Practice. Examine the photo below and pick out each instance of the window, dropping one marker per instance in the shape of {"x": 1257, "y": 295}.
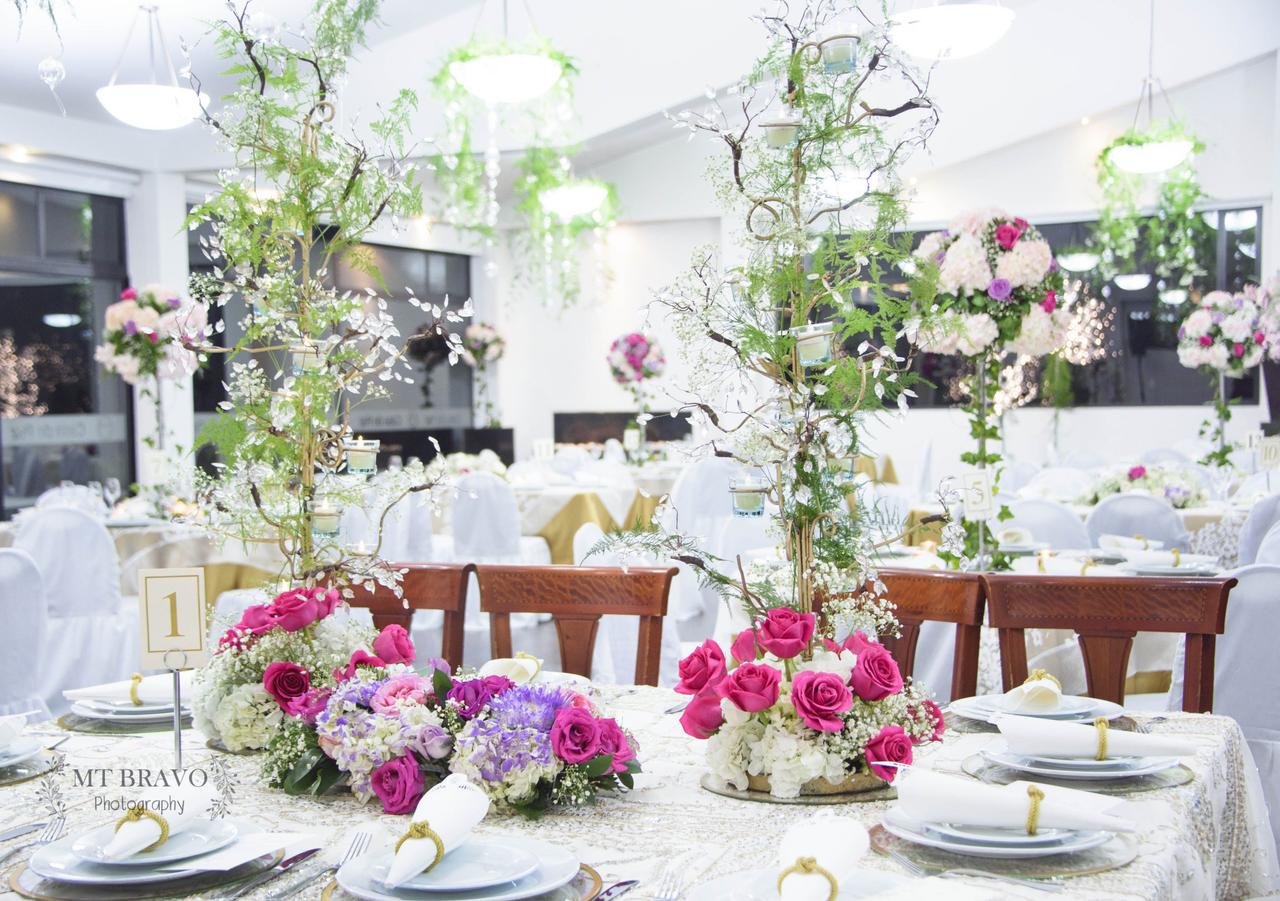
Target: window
{"x": 61, "y": 417}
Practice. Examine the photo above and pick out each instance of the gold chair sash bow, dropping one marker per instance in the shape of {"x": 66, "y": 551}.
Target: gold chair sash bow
{"x": 422, "y": 829}
{"x": 1036, "y": 795}
{"x": 134, "y": 681}
{"x": 810, "y": 865}
{"x": 137, "y": 813}
{"x": 1038, "y": 674}
{"x": 1101, "y": 725}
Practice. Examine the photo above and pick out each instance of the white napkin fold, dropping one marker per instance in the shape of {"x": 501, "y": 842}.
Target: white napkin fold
{"x": 452, "y": 808}
{"x": 1039, "y": 695}
{"x": 156, "y": 689}
{"x": 521, "y": 669}
{"x": 1035, "y": 736}
{"x": 10, "y": 728}
{"x": 934, "y": 798}
{"x": 181, "y": 807}
{"x": 837, "y": 844}
{"x": 1014, "y": 535}
{"x": 1060, "y": 566}
{"x": 1126, "y": 542}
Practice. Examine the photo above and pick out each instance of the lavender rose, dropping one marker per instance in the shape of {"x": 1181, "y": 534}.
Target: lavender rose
{"x": 819, "y": 699}
{"x": 398, "y": 784}
{"x": 432, "y": 742}
{"x": 1000, "y": 289}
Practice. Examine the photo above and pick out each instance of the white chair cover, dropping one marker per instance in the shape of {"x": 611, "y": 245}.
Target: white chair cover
{"x": 1058, "y": 483}
{"x": 1246, "y": 668}
{"x": 23, "y": 613}
{"x": 699, "y": 506}
{"x": 534, "y": 473}
{"x": 1259, "y": 485}
{"x": 617, "y": 476}
{"x": 1137, "y": 514}
{"x": 614, "y": 452}
{"x": 406, "y": 532}
{"x": 1084, "y": 460}
{"x": 568, "y": 459}
{"x": 926, "y": 488}
{"x": 1165, "y": 455}
{"x": 1262, "y": 516}
{"x": 78, "y": 497}
{"x": 92, "y": 637}
{"x": 1015, "y": 475}
{"x": 1049, "y": 521}
{"x": 1269, "y": 547}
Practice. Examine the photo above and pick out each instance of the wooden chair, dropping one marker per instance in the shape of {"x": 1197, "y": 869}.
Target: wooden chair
{"x": 944, "y": 597}
{"x": 1105, "y": 614}
{"x": 427, "y": 586}
{"x": 577, "y": 596}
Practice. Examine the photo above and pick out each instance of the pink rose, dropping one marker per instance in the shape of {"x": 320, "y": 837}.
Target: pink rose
{"x": 575, "y": 735}
{"x": 703, "y": 716}
{"x": 129, "y": 294}
{"x": 359, "y": 657}
{"x": 327, "y": 601}
{"x": 285, "y": 681}
{"x": 891, "y": 746}
{"x": 613, "y": 741}
{"x": 400, "y": 691}
{"x": 1259, "y": 337}
{"x": 1007, "y": 235}
{"x": 1206, "y": 341}
{"x": 1021, "y": 223}
{"x": 1050, "y": 302}
{"x": 296, "y": 609}
{"x": 579, "y": 700}
{"x": 744, "y": 648}
{"x": 752, "y": 687}
{"x": 934, "y": 712}
{"x": 1136, "y": 472}
{"x": 398, "y": 784}
{"x": 784, "y": 633}
{"x": 308, "y": 706}
{"x": 855, "y": 641}
{"x": 819, "y": 699}
{"x": 256, "y": 620}
{"x": 393, "y": 645}
{"x": 703, "y": 669}
{"x": 876, "y": 674}
{"x": 1237, "y": 349}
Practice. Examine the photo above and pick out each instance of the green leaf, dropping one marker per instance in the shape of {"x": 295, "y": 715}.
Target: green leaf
{"x": 303, "y": 772}
{"x": 440, "y": 684}
{"x": 598, "y": 765}
{"x": 625, "y": 779}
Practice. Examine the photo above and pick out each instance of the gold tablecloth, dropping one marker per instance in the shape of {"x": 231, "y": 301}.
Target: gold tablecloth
{"x": 866, "y": 466}
{"x": 585, "y": 507}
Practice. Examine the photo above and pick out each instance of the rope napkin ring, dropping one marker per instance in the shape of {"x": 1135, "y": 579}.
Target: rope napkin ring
{"x": 137, "y": 813}
{"x": 1177, "y": 557}
{"x": 422, "y": 829}
{"x": 1146, "y": 545}
{"x": 1038, "y": 674}
{"x": 134, "y": 681}
{"x": 1036, "y": 794}
{"x": 1101, "y": 725}
{"x": 809, "y": 865}
{"x": 1085, "y": 565}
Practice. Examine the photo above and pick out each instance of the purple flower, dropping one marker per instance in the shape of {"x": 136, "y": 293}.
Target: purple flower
{"x": 474, "y": 694}
{"x": 431, "y": 742}
{"x": 1000, "y": 289}
{"x": 131, "y": 328}
{"x": 173, "y": 303}
{"x": 515, "y": 733}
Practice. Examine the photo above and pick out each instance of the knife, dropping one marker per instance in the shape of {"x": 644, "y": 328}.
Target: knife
{"x": 278, "y": 870}
{"x": 20, "y": 830}
{"x": 617, "y": 890}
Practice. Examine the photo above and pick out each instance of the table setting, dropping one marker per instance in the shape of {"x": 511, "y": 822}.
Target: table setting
{"x": 141, "y": 704}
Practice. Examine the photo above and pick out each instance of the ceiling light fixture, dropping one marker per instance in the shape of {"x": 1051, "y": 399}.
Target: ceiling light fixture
{"x": 61, "y": 320}
{"x": 1174, "y": 296}
{"x": 1078, "y": 261}
{"x": 576, "y": 199}
{"x": 507, "y": 75}
{"x": 1150, "y": 153}
{"x": 150, "y": 105}
{"x": 950, "y": 30}
{"x": 1133, "y": 281}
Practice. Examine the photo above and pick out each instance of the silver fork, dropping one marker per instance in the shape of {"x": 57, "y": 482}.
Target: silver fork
{"x": 356, "y": 845}
{"x": 668, "y": 886}
{"x": 1052, "y": 884}
{"x": 50, "y": 833}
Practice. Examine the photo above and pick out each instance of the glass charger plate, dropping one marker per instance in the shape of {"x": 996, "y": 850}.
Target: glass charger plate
{"x": 584, "y": 887}
{"x": 1118, "y": 852}
{"x": 29, "y": 768}
{"x": 962, "y": 725}
{"x": 709, "y": 783}
{"x": 27, "y": 884}
{"x": 73, "y": 723}
{"x": 978, "y": 767}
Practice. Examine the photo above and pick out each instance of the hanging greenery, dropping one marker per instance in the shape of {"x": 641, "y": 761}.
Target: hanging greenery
{"x": 1170, "y": 238}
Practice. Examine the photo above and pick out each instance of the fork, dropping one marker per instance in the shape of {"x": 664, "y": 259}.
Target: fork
{"x": 1051, "y": 884}
{"x": 53, "y": 831}
{"x": 668, "y": 886}
{"x": 356, "y": 845}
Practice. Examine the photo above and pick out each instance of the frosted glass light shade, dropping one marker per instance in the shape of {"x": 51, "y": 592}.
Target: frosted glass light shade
{"x": 1148, "y": 159}
{"x": 574, "y": 200}
{"x": 156, "y": 107}
{"x": 507, "y": 77}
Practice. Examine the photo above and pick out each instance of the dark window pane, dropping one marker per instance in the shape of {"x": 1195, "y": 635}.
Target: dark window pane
{"x": 68, "y": 225}
{"x": 19, "y": 223}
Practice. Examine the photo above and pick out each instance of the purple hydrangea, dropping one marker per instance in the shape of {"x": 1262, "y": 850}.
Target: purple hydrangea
{"x": 514, "y": 733}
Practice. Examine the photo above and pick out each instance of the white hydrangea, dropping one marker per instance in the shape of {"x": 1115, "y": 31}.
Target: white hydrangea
{"x": 1193, "y": 356}
{"x": 965, "y": 268}
{"x": 1197, "y": 323}
{"x": 940, "y": 335}
{"x": 1026, "y": 264}
{"x": 1238, "y": 326}
{"x": 977, "y": 332}
{"x": 929, "y": 246}
{"x": 824, "y": 661}
{"x": 975, "y": 222}
{"x": 1041, "y": 333}
{"x": 247, "y": 718}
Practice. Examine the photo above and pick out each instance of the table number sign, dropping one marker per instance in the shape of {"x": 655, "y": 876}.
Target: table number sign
{"x": 1269, "y": 453}
{"x": 978, "y": 501}
{"x": 172, "y": 614}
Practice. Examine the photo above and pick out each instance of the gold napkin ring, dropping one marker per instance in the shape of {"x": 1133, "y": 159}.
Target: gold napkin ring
{"x": 1177, "y": 557}
{"x": 1146, "y": 545}
{"x": 810, "y": 865}
{"x": 1038, "y": 674}
{"x": 1040, "y": 564}
{"x": 422, "y": 829}
{"x": 1085, "y": 565}
{"x": 134, "y": 681}
{"x": 137, "y": 813}
{"x": 1036, "y": 794}
{"x": 1101, "y": 725}
{"x": 537, "y": 663}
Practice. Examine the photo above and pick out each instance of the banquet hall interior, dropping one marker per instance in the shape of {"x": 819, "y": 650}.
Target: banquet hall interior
{"x": 497, "y": 449}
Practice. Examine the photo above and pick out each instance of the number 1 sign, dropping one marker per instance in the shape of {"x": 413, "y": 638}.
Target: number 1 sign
{"x": 173, "y": 618}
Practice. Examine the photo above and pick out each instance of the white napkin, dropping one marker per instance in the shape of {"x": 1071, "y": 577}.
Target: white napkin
{"x": 1060, "y": 566}
{"x": 1014, "y": 535}
{"x": 521, "y": 669}
{"x": 10, "y": 728}
{"x": 922, "y": 560}
{"x": 1126, "y": 542}
{"x": 836, "y": 843}
{"x": 930, "y": 797}
{"x": 180, "y": 807}
{"x": 452, "y": 808}
{"x": 151, "y": 690}
{"x": 1035, "y": 736}
{"x": 1039, "y": 695}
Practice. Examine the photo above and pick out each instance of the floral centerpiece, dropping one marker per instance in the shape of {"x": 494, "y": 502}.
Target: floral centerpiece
{"x": 1173, "y": 483}
{"x": 461, "y": 464}
{"x": 635, "y": 358}
{"x": 1224, "y": 336}
{"x": 482, "y": 346}
{"x": 152, "y": 332}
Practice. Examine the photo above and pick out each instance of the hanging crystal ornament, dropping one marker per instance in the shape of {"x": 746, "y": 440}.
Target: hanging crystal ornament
{"x": 52, "y": 72}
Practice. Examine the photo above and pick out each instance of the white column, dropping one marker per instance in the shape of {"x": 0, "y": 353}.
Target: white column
{"x": 156, "y": 250}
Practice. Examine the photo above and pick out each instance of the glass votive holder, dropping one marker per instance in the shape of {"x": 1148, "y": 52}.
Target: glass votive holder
{"x": 839, "y": 50}
{"x": 748, "y": 496}
{"x": 782, "y": 130}
{"x": 843, "y": 468}
{"x": 304, "y": 358}
{"x": 362, "y": 456}
{"x": 814, "y": 343}
{"x": 325, "y": 519}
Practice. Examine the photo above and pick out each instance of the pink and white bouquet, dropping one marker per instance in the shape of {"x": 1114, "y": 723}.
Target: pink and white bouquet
{"x": 1179, "y": 486}
{"x": 797, "y": 712}
{"x": 999, "y": 288}
{"x": 635, "y": 358}
{"x": 152, "y": 333}
{"x": 482, "y": 345}
{"x": 1225, "y": 333}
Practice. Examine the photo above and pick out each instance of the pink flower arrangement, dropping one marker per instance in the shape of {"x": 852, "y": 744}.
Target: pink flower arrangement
{"x": 152, "y": 332}
{"x": 634, "y": 358}
{"x": 1136, "y": 472}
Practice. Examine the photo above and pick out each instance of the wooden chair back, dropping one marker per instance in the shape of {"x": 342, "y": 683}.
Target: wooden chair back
{"x": 945, "y": 597}
{"x": 1106, "y": 613}
{"x": 576, "y": 597}
{"x": 426, "y": 586}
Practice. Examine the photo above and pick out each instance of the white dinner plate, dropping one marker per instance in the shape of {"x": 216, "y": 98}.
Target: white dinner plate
{"x": 58, "y": 862}
{"x": 20, "y": 749}
{"x": 990, "y": 835}
{"x": 480, "y": 863}
{"x": 1156, "y": 569}
{"x": 93, "y": 713}
{"x": 556, "y": 868}
{"x": 127, "y": 707}
{"x": 899, "y": 824}
{"x": 1068, "y": 705}
{"x": 1144, "y": 766}
{"x": 198, "y": 838}
{"x": 1031, "y": 548}
{"x": 550, "y": 677}
{"x": 983, "y": 708}
{"x": 762, "y": 885}
{"x": 1085, "y": 763}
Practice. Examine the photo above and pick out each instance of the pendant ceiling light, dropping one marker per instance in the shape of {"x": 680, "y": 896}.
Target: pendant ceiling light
{"x": 153, "y": 105}
{"x": 574, "y": 200}
{"x": 950, "y": 30}
{"x": 1154, "y": 151}
{"x": 506, "y": 74}
{"x": 1078, "y": 261}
